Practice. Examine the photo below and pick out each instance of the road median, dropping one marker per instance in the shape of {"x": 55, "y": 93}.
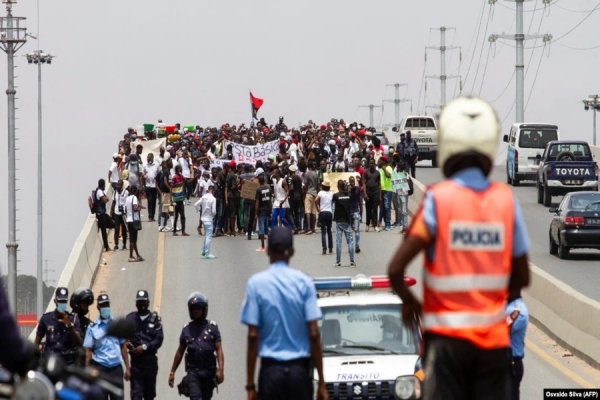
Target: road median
{"x": 564, "y": 314}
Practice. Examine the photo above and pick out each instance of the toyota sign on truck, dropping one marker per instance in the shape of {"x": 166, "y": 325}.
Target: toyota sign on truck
{"x": 424, "y": 131}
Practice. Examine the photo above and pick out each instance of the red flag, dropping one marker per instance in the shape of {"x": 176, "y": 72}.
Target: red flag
{"x": 256, "y": 104}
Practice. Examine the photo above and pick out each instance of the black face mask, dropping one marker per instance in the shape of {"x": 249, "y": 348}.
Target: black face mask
{"x": 142, "y": 309}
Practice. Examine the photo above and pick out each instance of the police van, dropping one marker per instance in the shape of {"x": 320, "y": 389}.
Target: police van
{"x": 526, "y": 141}
{"x": 368, "y": 353}
{"x": 423, "y": 129}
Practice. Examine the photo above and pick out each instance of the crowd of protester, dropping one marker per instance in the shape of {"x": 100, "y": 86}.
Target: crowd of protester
{"x": 292, "y": 185}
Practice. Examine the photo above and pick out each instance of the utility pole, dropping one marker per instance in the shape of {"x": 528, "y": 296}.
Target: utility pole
{"x": 13, "y": 35}
{"x": 520, "y": 37}
{"x": 371, "y": 108}
{"x": 592, "y": 101}
{"x": 397, "y": 100}
{"x": 442, "y": 49}
{"x": 39, "y": 57}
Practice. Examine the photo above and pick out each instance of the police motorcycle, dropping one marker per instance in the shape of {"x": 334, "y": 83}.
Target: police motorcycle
{"x": 55, "y": 380}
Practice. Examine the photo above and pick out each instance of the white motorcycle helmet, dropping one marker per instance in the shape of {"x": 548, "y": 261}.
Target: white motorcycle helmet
{"x": 469, "y": 129}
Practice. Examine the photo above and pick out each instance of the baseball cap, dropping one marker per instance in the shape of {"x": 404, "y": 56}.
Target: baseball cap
{"x": 61, "y": 294}
{"x": 280, "y": 239}
{"x": 293, "y": 168}
{"x": 142, "y": 295}
{"x": 103, "y": 298}
{"x": 116, "y": 155}
{"x": 259, "y": 171}
{"x": 232, "y": 164}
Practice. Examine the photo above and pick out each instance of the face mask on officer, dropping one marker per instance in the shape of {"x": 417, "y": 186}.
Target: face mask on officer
{"x": 61, "y": 307}
{"x": 105, "y": 312}
{"x": 142, "y": 307}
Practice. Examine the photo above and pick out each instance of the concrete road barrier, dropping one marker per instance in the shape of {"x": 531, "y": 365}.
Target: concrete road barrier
{"x": 566, "y": 315}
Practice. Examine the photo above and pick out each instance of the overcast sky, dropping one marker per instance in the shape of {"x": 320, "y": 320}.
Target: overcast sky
{"x": 131, "y": 62}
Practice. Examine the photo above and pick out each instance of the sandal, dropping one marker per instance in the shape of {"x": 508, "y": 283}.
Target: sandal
{"x": 131, "y": 259}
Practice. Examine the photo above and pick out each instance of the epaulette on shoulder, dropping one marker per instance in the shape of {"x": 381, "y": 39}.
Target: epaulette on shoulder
{"x": 213, "y": 323}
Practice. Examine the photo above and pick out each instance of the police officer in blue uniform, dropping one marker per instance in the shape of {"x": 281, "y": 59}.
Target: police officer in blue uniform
{"x": 202, "y": 339}
{"x": 61, "y": 329}
{"x": 142, "y": 349}
{"x": 81, "y": 300}
{"x": 106, "y": 353}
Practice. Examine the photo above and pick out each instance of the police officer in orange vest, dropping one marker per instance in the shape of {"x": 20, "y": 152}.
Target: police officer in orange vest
{"x": 475, "y": 243}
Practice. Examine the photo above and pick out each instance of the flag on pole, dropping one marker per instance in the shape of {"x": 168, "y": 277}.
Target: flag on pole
{"x": 256, "y": 104}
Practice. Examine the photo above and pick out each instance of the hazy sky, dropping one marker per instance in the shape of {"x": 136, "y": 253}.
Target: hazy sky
{"x": 131, "y": 62}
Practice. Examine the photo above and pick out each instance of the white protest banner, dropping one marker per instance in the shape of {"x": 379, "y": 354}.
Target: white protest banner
{"x": 400, "y": 183}
{"x": 218, "y": 163}
{"x": 252, "y": 154}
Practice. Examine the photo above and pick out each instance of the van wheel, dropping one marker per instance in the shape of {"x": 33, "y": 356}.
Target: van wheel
{"x": 434, "y": 161}
{"x": 553, "y": 247}
{"x": 515, "y": 181}
{"x": 508, "y": 180}
{"x": 563, "y": 251}
{"x": 540, "y": 193}
{"x": 547, "y": 197}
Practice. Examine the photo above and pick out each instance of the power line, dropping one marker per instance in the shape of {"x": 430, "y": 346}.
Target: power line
{"x": 534, "y": 80}
{"x": 487, "y": 62}
{"x": 565, "y": 34}
{"x": 476, "y": 41}
{"x": 573, "y": 11}
{"x": 422, "y": 84}
{"x": 578, "y": 48}
{"x": 487, "y": 24}
{"x": 528, "y": 11}
{"x": 505, "y": 88}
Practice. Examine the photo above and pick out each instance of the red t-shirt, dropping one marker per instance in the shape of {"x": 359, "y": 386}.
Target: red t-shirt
{"x": 178, "y": 179}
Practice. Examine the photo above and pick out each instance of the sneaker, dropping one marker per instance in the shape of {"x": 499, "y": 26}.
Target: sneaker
{"x": 330, "y": 251}
{"x": 260, "y": 249}
{"x": 357, "y": 250}
{"x": 387, "y": 228}
{"x": 368, "y": 227}
{"x": 116, "y": 248}
{"x": 209, "y": 256}
{"x": 124, "y": 247}
{"x": 352, "y": 265}
{"x": 377, "y": 229}
{"x": 337, "y": 265}
{"x": 324, "y": 251}
{"x": 161, "y": 228}
{"x": 167, "y": 229}
{"x": 203, "y": 254}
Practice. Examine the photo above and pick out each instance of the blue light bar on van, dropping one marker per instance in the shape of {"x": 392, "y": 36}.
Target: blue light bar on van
{"x": 359, "y": 282}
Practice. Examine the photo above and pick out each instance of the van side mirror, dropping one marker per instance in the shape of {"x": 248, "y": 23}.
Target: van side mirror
{"x": 553, "y": 209}
{"x": 395, "y": 129}
{"x": 505, "y": 139}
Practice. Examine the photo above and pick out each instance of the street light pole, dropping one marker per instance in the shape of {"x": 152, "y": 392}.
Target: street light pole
{"x": 12, "y": 38}
{"x": 593, "y": 102}
{"x": 39, "y": 57}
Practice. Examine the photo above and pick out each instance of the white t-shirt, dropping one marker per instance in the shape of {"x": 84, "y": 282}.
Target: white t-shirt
{"x": 114, "y": 172}
{"x": 325, "y": 200}
{"x": 129, "y": 203}
{"x": 151, "y": 170}
{"x": 119, "y": 199}
{"x": 185, "y": 168}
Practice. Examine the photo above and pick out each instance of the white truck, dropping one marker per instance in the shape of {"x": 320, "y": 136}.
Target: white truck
{"x": 368, "y": 353}
{"x": 424, "y": 131}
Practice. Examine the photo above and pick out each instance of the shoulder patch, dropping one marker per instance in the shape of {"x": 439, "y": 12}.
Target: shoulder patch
{"x": 213, "y": 323}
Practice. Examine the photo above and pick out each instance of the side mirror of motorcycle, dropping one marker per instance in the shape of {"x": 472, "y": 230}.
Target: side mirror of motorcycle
{"x": 121, "y": 328}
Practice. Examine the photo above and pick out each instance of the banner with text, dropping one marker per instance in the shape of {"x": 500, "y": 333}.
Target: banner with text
{"x": 400, "y": 183}
{"x": 252, "y": 154}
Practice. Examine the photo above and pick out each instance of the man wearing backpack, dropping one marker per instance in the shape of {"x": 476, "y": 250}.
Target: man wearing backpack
{"x": 100, "y": 200}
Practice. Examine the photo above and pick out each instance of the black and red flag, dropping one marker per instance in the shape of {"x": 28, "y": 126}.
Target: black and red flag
{"x": 256, "y": 103}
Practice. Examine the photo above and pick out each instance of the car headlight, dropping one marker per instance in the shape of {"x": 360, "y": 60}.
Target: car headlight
{"x": 407, "y": 387}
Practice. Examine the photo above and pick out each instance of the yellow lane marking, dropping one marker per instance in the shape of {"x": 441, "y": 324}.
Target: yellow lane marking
{"x": 558, "y": 366}
{"x": 160, "y": 261}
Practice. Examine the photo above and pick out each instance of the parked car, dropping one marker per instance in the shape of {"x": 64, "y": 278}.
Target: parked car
{"x": 576, "y": 223}
{"x": 566, "y": 166}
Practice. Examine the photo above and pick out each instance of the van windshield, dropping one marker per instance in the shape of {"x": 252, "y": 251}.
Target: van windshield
{"x": 537, "y": 138}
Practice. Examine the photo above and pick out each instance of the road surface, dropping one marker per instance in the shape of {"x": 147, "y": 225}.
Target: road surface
{"x": 581, "y": 271}
{"x": 174, "y": 269}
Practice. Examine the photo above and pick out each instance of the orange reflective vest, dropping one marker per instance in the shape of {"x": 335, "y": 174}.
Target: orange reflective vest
{"x": 466, "y": 285}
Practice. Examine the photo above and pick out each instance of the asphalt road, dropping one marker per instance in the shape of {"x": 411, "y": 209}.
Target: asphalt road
{"x": 581, "y": 271}
{"x": 223, "y": 281}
